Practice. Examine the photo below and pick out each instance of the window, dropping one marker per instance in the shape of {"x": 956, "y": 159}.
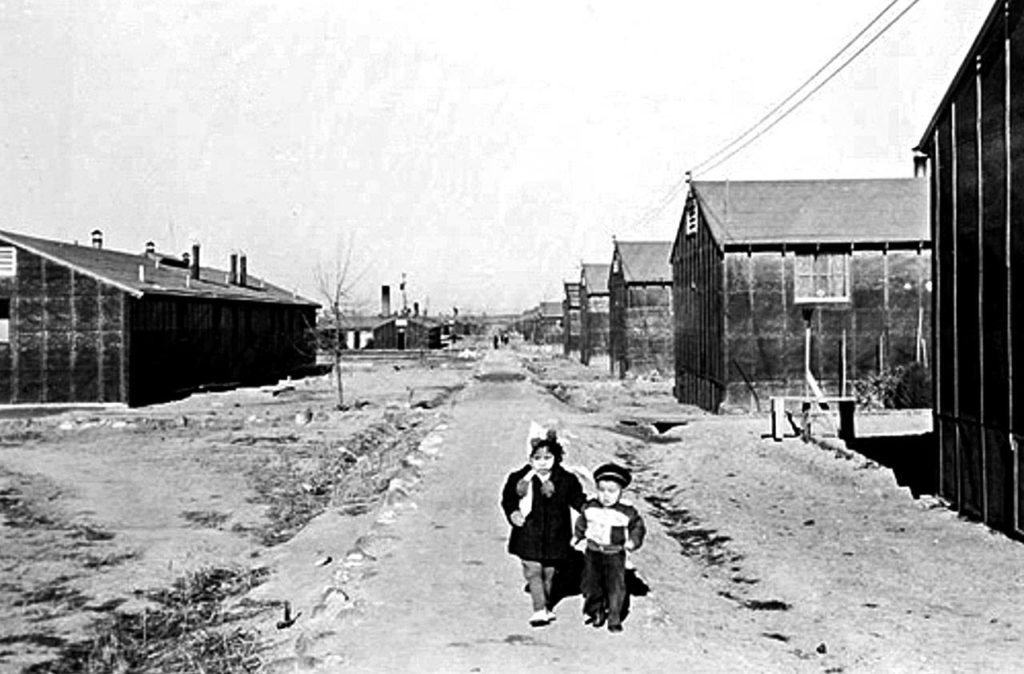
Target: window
{"x": 5, "y": 321}
{"x": 821, "y": 279}
{"x": 691, "y": 217}
{"x": 8, "y": 261}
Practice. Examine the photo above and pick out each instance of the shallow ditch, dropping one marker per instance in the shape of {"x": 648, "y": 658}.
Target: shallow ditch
{"x": 500, "y": 377}
{"x": 696, "y": 540}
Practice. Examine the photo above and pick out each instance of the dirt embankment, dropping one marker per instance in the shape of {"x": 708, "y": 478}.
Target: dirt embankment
{"x": 129, "y": 538}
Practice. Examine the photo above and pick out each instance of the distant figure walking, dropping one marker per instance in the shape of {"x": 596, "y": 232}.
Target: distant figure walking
{"x": 537, "y": 499}
{"x": 609, "y": 527}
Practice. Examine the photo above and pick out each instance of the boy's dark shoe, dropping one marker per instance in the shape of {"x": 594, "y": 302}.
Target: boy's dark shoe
{"x": 589, "y": 619}
{"x": 614, "y": 627}
{"x": 600, "y": 619}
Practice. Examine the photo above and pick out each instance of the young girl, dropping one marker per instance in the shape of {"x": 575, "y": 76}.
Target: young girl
{"x": 536, "y": 500}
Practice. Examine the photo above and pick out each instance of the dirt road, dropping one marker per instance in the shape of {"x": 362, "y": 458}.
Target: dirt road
{"x": 443, "y": 595}
{"x": 761, "y": 556}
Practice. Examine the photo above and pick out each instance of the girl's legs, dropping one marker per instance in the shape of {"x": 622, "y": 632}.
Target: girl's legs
{"x": 548, "y": 576}
{"x": 534, "y": 574}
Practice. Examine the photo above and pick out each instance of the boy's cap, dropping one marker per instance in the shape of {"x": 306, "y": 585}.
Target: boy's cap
{"x": 613, "y": 472}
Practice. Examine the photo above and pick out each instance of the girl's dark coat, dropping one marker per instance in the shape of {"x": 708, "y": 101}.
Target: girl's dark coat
{"x": 546, "y": 534}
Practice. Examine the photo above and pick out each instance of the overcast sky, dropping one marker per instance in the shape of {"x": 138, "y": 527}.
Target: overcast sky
{"x": 483, "y": 148}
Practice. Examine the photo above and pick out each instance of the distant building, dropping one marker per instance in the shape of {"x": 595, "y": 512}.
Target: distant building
{"x": 755, "y": 263}
{"x": 640, "y": 308}
{"x": 975, "y": 158}
{"x": 87, "y": 324}
{"x": 571, "y": 319}
{"x": 550, "y": 324}
{"x": 404, "y": 333}
{"x": 356, "y": 331}
{"x": 593, "y": 311}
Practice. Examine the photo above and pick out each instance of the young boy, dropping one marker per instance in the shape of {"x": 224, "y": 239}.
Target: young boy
{"x": 610, "y": 527}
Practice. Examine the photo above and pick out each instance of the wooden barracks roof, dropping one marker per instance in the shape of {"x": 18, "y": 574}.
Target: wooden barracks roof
{"x": 551, "y": 309}
{"x": 886, "y": 210}
{"x": 162, "y": 274}
{"x": 645, "y": 261}
{"x": 595, "y": 278}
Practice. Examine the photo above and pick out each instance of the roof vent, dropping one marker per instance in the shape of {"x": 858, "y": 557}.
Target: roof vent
{"x": 97, "y": 238}
{"x": 150, "y": 248}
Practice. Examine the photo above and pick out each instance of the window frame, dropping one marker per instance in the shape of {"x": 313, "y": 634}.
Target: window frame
{"x": 815, "y": 275}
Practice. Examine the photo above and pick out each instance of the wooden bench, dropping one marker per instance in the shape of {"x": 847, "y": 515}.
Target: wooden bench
{"x": 811, "y": 407}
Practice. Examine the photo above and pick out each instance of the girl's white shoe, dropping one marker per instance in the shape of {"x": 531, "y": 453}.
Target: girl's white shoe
{"x": 540, "y": 618}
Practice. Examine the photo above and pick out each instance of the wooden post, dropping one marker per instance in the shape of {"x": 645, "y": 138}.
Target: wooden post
{"x": 842, "y": 366}
{"x": 808, "y": 313}
{"x": 778, "y": 418}
{"x": 920, "y": 334}
{"x": 937, "y": 313}
{"x": 979, "y": 251}
{"x": 1007, "y": 138}
{"x": 846, "y": 428}
{"x": 954, "y": 352}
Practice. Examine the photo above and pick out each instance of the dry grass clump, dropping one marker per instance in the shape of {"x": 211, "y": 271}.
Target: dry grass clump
{"x": 189, "y": 630}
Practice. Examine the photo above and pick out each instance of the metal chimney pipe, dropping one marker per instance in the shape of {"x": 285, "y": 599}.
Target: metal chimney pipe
{"x": 243, "y": 273}
{"x": 385, "y": 300}
{"x": 233, "y": 274}
{"x": 194, "y": 262}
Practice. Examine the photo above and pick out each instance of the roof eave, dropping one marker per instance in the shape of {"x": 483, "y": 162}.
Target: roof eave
{"x": 964, "y": 68}
{"x": 134, "y": 292}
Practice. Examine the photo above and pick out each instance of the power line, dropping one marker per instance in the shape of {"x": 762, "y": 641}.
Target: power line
{"x": 787, "y": 99}
{"x": 655, "y": 209}
{"x": 816, "y": 88}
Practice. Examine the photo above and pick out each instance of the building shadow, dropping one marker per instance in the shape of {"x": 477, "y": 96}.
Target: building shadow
{"x": 914, "y": 459}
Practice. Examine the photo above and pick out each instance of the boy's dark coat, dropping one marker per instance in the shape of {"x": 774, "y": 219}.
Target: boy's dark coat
{"x": 547, "y": 532}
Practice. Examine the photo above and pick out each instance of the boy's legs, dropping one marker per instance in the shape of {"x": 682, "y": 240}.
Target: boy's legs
{"x": 615, "y": 586}
{"x": 594, "y": 600}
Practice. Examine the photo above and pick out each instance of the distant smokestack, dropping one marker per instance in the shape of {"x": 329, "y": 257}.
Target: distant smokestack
{"x": 385, "y": 300}
{"x": 415, "y": 308}
{"x": 150, "y": 247}
{"x": 243, "y": 273}
{"x": 97, "y": 238}
{"x": 233, "y": 275}
{"x": 194, "y": 264}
